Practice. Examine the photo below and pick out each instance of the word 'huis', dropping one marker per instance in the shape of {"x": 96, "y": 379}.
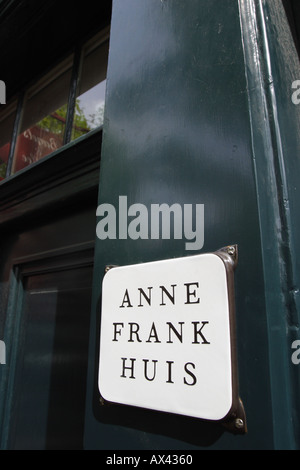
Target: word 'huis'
{"x": 133, "y": 332}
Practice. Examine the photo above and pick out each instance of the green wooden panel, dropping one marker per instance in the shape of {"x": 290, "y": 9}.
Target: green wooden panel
{"x": 271, "y": 66}
{"x": 179, "y": 129}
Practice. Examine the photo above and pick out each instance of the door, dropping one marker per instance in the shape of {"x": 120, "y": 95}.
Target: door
{"x": 50, "y": 379}
{"x": 47, "y": 261}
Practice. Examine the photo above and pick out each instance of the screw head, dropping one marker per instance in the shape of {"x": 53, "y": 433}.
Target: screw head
{"x": 239, "y": 423}
{"x": 231, "y": 250}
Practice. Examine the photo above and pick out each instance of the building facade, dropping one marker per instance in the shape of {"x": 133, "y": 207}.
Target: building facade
{"x": 201, "y": 114}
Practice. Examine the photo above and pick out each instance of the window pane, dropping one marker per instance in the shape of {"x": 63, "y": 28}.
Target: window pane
{"x": 91, "y": 96}
{"x": 7, "y": 119}
{"x": 44, "y": 118}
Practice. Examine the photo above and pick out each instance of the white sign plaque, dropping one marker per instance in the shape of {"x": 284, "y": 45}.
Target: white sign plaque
{"x": 166, "y": 339}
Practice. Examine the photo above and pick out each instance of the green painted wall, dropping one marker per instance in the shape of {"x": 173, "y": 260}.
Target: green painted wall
{"x": 190, "y": 120}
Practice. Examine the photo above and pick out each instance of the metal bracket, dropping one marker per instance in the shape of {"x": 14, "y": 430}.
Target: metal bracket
{"x": 236, "y": 422}
{"x": 109, "y": 267}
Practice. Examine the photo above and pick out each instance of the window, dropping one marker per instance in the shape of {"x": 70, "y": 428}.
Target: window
{"x": 91, "y": 91}
{"x": 7, "y": 119}
{"x": 65, "y": 104}
{"x": 43, "y": 123}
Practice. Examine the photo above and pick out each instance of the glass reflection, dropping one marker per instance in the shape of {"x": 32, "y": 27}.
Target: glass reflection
{"x": 89, "y": 110}
{"x": 45, "y": 111}
{"x": 7, "y": 119}
{"x": 44, "y": 118}
{"x": 91, "y": 94}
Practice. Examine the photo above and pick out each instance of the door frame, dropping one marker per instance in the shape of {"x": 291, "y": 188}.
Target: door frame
{"x": 71, "y": 257}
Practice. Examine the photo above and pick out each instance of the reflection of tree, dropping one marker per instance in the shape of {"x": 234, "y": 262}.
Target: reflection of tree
{"x": 80, "y": 123}
{"x": 56, "y": 121}
{"x": 96, "y": 119}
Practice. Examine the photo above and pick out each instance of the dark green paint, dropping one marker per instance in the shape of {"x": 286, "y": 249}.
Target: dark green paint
{"x": 198, "y": 111}
{"x": 190, "y": 119}
{"x": 272, "y": 66}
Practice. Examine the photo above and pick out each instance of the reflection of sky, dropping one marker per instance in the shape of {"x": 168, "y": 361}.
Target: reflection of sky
{"x": 92, "y": 101}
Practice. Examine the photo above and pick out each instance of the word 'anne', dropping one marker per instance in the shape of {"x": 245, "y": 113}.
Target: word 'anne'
{"x": 165, "y": 294}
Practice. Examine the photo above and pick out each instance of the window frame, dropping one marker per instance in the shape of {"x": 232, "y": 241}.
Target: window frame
{"x": 75, "y": 58}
